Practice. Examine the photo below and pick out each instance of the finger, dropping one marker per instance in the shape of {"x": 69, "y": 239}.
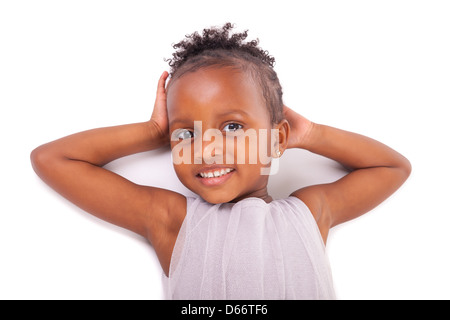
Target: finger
{"x": 161, "y": 90}
{"x": 286, "y": 110}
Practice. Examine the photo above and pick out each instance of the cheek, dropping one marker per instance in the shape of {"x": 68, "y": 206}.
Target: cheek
{"x": 251, "y": 147}
{"x": 179, "y": 171}
{"x": 242, "y": 148}
{"x": 181, "y": 153}
{"x": 185, "y": 176}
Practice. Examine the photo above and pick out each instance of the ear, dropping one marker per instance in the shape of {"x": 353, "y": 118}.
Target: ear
{"x": 280, "y": 144}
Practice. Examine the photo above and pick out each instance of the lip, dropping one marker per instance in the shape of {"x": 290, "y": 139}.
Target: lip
{"x": 215, "y": 181}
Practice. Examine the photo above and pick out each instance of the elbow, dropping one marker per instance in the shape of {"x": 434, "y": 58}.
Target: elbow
{"x": 405, "y": 168}
{"x": 40, "y": 159}
{"x": 408, "y": 168}
{"x": 36, "y": 158}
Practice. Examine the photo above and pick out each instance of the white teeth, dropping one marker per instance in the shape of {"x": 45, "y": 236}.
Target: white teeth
{"x": 216, "y": 173}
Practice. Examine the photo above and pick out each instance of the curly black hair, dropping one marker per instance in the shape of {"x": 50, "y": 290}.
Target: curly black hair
{"x": 217, "y": 46}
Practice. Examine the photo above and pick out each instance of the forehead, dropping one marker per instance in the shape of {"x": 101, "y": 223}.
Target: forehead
{"x": 214, "y": 89}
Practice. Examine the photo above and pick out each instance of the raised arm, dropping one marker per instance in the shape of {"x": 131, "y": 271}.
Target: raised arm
{"x": 73, "y": 166}
{"x": 377, "y": 171}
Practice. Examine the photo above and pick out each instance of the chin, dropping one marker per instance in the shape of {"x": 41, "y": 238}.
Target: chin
{"x": 216, "y": 197}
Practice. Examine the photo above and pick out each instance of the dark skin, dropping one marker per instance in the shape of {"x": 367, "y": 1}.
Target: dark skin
{"x": 205, "y": 96}
{"x": 73, "y": 165}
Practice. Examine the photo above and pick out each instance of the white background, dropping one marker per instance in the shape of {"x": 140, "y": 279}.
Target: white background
{"x": 379, "y": 68}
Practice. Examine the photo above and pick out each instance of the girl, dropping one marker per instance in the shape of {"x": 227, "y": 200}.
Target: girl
{"x": 233, "y": 241}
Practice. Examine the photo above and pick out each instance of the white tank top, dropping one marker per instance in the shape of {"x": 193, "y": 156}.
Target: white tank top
{"x": 249, "y": 250}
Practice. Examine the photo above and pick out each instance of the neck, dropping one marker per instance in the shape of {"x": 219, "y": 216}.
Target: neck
{"x": 262, "y": 194}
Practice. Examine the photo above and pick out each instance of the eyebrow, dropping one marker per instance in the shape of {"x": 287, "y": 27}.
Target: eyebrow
{"x": 182, "y": 121}
{"x": 228, "y": 113}
{"x": 235, "y": 111}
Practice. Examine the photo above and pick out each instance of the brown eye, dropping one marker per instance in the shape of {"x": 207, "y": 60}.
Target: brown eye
{"x": 231, "y": 127}
{"x": 183, "y": 134}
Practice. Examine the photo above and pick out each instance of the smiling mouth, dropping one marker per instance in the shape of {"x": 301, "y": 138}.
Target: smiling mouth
{"x": 215, "y": 177}
{"x": 215, "y": 173}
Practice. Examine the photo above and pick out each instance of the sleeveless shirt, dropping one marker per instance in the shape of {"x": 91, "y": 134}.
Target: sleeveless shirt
{"x": 249, "y": 250}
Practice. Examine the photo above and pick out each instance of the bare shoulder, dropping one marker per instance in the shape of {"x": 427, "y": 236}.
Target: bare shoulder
{"x": 165, "y": 214}
{"x": 313, "y": 197}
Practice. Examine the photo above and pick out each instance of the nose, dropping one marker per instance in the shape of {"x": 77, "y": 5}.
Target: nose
{"x": 209, "y": 147}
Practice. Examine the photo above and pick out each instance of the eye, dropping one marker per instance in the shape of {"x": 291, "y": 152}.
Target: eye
{"x": 232, "y": 127}
{"x": 182, "y": 134}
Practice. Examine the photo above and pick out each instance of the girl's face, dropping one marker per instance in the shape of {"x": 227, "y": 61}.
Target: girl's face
{"x": 209, "y": 111}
